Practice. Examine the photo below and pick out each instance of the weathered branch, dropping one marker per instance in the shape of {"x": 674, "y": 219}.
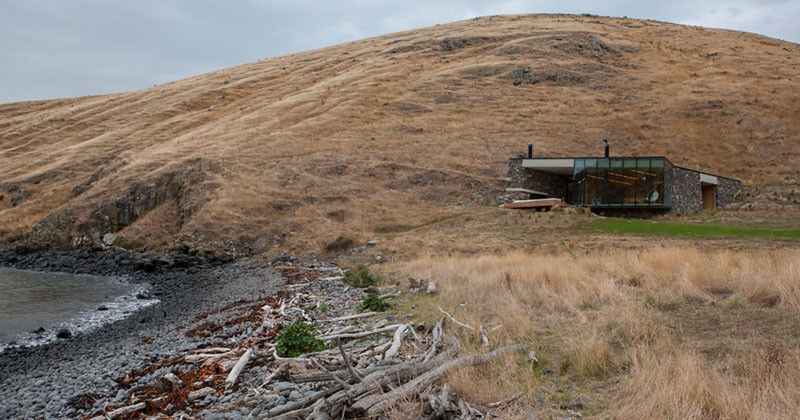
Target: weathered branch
{"x": 356, "y": 376}
{"x": 348, "y": 317}
{"x": 288, "y": 408}
{"x": 484, "y": 337}
{"x": 210, "y": 350}
{"x": 277, "y": 372}
{"x": 390, "y": 295}
{"x": 504, "y": 401}
{"x": 341, "y": 374}
{"x": 375, "y": 404}
{"x": 397, "y": 341}
{"x": 397, "y": 374}
{"x": 203, "y": 357}
{"x": 359, "y": 334}
{"x": 455, "y": 321}
{"x": 330, "y": 375}
{"x": 437, "y": 336}
{"x": 124, "y": 411}
{"x": 230, "y": 381}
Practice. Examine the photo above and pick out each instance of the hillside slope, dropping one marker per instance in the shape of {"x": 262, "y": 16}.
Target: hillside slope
{"x": 374, "y": 135}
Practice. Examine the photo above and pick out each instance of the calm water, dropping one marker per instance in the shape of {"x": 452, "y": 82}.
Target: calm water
{"x": 30, "y": 300}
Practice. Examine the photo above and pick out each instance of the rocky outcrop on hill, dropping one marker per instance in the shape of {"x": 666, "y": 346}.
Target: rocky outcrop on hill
{"x": 86, "y": 224}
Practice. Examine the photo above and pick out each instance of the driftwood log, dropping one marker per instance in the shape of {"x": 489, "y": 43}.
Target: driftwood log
{"x": 130, "y": 409}
{"x": 230, "y": 381}
{"x": 368, "y": 369}
{"x": 375, "y": 390}
{"x": 378, "y": 403}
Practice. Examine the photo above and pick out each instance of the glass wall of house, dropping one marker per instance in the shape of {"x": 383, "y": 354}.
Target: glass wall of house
{"x": 621, "y": 182}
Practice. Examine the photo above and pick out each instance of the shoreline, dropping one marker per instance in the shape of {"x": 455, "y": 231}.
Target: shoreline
{"x": 41, "y": 381}
{"x": 128, "y": 298}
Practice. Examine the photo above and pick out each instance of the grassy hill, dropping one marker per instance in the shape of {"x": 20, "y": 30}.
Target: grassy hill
{"x": 387, "y": 134}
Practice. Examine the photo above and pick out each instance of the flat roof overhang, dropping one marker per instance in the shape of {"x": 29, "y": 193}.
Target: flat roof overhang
{"x": 560, "y": 166}
{"x": 706, "y": 179}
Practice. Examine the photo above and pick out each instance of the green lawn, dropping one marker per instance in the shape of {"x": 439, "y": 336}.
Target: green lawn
{"x": 645, "y": 227}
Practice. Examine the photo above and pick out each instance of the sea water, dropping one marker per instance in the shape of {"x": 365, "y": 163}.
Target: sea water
{"x": 31, "y": 300}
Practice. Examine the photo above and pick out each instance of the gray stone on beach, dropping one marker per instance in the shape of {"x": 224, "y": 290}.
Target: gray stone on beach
{"x": 283, "y": 386}
{"x": 109, "y": 239}
{"x": 169, "y": 382}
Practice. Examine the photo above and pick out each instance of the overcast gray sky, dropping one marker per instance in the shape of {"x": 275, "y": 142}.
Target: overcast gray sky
{"x": 62, "y": 48}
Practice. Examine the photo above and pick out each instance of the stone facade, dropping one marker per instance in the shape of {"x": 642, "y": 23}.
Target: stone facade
{"x": 553, "y": 185}
{"x": 687, "y": 191}
{"x": 687, "y": 195}
{"x": 727, "y": 190}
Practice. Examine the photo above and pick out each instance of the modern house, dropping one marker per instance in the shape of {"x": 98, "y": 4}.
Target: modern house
{"x": 640, "y": 185}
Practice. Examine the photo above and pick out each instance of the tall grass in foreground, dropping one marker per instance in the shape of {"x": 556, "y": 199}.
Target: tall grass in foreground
{"x": 621, "y": 319}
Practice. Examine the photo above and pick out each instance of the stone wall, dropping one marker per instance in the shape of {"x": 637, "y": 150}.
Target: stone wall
{"x": 687, "y": 196}
{"x": 726, "y": 191}
{"x": 553, "y": 185}
{"x": 687, "y": 192}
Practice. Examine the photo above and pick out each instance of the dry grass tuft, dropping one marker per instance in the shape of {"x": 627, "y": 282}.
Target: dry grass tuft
{"x": 682, "y": 384}
{"x": 644, "y": 334}
{"x": 678, "y": 386}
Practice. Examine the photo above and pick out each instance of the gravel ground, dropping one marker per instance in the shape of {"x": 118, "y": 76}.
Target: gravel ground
{"x": 39, "y": 382}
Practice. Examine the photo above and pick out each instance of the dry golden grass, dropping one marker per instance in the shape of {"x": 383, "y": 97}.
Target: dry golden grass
{"x": 565, "y": 283}
{"x": 294, "y": 151}
{"x": 658, "y": 333}
{"x": 684, "y": 385}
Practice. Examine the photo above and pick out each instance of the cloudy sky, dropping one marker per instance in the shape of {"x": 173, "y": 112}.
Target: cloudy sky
{"x": 62, "y": 48}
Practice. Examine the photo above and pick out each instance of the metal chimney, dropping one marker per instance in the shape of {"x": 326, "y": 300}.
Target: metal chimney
{"x": 530, "y": 150}
{"x": 607, "y": 147}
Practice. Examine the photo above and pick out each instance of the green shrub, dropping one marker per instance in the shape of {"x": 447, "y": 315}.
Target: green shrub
{"x": 373, "y": 302}
{"x": 360, "y": 277}
{"x": 297, "y": 339}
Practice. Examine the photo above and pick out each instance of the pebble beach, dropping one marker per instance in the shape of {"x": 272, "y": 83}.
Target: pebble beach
{"x": 79, "y": 376}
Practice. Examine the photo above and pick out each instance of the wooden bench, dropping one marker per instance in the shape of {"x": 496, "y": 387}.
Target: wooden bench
{"x": 526, "y": 191}
{"x": 530, "y": 204}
